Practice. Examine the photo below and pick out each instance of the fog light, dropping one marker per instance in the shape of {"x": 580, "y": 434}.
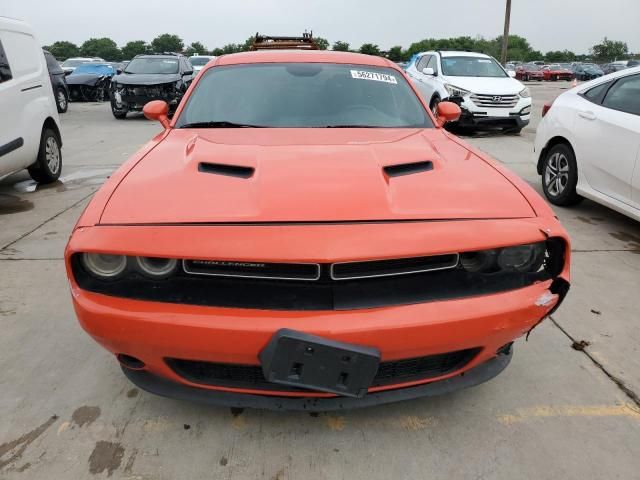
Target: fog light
{"x": 103, "y": 265}
{"x": 156, "y": 267}
{"x": 130, "y": 362}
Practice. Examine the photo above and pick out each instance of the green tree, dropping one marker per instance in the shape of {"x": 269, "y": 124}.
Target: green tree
{"x": 560, "y": 56}
{"x": 133, "y": 48}
{"x": 609, "y": 50}
{"x": 323, "y": 43}
{"x": 396, "y": 54}
{"x": 227, "y": 49}
{"x": 167, "y": 43}
{"x": 196, "y": 48}
{"x": 370, "y": 49}
{"x": 340, "y": 46}
{"x": 101, "y": 47}
{"x": 63, "y": 50}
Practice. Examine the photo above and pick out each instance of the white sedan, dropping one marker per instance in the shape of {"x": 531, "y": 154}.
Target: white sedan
{"x": 588, "y": 144}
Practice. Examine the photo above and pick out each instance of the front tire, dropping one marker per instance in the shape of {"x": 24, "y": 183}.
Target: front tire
{"x": 560, "y": 176}
{"x": 48, "y": 166}
{"x": 62, "y": 100}
{"x": 118, "y": 113}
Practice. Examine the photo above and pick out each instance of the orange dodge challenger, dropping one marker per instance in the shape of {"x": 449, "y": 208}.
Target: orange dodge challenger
{"x": 305, "y": 235}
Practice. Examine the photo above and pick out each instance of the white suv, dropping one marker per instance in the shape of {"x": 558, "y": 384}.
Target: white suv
{"x": 486, "y": 92}
{"x": 29, "y": 125}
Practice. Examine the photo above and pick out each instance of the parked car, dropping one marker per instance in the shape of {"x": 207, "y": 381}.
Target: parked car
{"x": 199, "y": 61}
{"x": 555, "y": 72}
{"x": 150, "y": 77}
{"x": 588, "y": 141}
{"x": 613, "y": 67}
{"x": 29, "y": 126}
{"x": 58, "y": 82}
{"x": 486, "y": 93}
{"x": 529, "y": 71}
{"x": 586, "y": 71}
{"x": 90, "y": 82}
{"x": 70, "y": 64}
{"x": 304, "y": 235}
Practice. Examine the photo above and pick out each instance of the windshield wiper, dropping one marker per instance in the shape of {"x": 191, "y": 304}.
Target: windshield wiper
{"x": 219, "y": 124}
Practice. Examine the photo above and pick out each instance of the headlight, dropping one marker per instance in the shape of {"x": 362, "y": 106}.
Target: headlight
{"x": 156, "y": 267}
{"x": 454, "y": 91}
{"x": 519, "y": 258}
{"x": 525, "y": 92}
{"x": 103, "y": 265}
{"x": 523, "y": 258}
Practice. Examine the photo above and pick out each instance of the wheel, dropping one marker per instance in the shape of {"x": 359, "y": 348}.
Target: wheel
{"x": 62, "y": 102}
{"x": 525, "y": 78}
{"x": 117, "y": 112}
{"x": 560, "y": 176}
{"x": 434, "y": 105}
{"x": 555, "y": 78}
{"x": 49, "y": 163}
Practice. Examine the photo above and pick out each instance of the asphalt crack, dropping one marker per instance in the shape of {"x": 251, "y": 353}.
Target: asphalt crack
{"x": 633, "y": 396}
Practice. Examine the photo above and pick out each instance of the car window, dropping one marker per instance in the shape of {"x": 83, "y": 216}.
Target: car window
{"x": 624, "y": 95}
{"x": 199, "y": 61}
{"x": 152, "y": 66}
{"x": 596, "y": 93}
{"x": 472, "y": 67}
{"x": 433, "y": 63}
{"x": 305, "y": 95}
{"x": 52, "y": 63}
{"x": 5, "y": 69}
{"x": 422, "y": 64}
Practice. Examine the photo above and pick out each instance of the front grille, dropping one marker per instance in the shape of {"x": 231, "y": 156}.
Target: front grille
{"x": 226, "y": 268}
{"x": 398, "y": 266}
{"x": 389, "y": 373}
{"x": 358, "y": 285}
{"x": 494, "y": 101}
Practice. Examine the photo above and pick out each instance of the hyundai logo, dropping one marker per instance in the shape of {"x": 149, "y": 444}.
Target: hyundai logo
{"x": 497, "y": 98}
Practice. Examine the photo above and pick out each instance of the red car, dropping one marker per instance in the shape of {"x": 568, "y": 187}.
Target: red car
{"x": 556, "y": 72}
{"x": 529, "y": 72}
{"x": 305, "y": 235}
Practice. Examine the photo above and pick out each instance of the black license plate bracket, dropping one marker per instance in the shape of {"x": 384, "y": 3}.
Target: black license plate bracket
{"x": 301, "y": 360}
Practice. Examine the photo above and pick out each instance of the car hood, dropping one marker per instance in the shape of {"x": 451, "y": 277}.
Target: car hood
{"x": 309, "y": 175}
{"x": 145, "y": 78}
{"x": 89, "y": 79}
{"x": 498, "y": 86}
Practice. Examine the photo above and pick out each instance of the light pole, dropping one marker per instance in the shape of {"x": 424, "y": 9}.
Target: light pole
{"x": 505, "y": 35}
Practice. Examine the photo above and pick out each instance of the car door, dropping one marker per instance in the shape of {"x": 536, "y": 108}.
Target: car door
{"x": 11, "y": 139}
{"x": 422, "y": 81}
{"x": 607, "y": 129}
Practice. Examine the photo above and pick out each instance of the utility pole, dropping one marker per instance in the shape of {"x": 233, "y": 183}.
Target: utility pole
{"x": 505, "y": 35}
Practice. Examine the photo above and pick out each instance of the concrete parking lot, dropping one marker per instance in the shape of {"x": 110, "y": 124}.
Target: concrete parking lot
{"x": 566, "y": 408}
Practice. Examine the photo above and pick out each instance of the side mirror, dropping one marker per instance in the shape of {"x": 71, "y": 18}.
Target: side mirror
{"x": 157, "y": 110}
{"x": 448, "y": 112}
{"x": 512, "y": 74}
{"x": 118, "y": 71}
{"x": 429, "y": 71}
{"x": 188, "y": 72}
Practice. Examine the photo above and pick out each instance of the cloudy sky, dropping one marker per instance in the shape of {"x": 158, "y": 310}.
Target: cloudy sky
{"x": 548, "y": 24}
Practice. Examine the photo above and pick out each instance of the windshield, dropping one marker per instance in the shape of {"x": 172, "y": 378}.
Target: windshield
{"x": 152, "y": 65}
{"x": 299, "y": 95}
{"x": 95, "y": 69}
{"x": 471, "y": 67}
{"x": 73, "y": 63}
{"x": 199, "y": 61}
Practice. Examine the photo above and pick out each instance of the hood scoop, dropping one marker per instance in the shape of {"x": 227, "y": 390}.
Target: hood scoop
{"x": 408, "y": 168}
{"x": 226, "y": 170}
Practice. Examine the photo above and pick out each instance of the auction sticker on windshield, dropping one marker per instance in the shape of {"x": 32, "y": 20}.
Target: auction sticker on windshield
{"x": 378, "y": 77}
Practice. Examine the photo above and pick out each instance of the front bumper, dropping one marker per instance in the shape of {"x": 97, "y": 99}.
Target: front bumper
{"x": 474, "y": 116}
{"x": 166, "y": 388}
{"x": 135, "y": 97}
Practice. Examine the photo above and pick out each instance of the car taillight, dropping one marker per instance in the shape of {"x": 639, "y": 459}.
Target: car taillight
{"x": 546, "y": 107}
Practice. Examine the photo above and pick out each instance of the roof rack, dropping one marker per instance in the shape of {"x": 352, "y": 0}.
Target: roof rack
{"x": 270, "y": 42}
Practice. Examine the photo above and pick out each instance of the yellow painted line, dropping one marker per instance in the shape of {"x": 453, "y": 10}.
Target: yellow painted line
{"x": 548, "y": 411}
